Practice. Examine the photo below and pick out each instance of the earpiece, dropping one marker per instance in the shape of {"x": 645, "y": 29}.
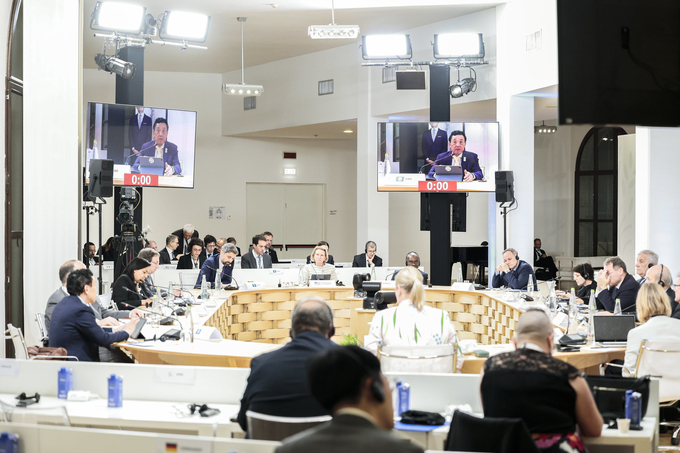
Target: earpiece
{"x": 585, "y": 275}
{"x": 517, "y": 257}
{"x": 660, "y": 282}
{"x": 650, "y": 265}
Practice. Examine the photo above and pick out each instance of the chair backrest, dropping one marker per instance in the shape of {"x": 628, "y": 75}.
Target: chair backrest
{"x": 40, "y": 319}
{"x": 188, "y": 278}
{"x": 661, "y": 358}
{"x": 14, "y": 334}
{"x": 34, "y": 414}
{"x": 271, "y": 427}
{"x": 418, "y": 359}
{"x": 106, "y": 301}
{"x": 499, "y": 435}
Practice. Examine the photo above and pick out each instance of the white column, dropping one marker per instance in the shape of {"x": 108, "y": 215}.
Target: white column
{"x": 656, "y": 188}
{"x": 373, "y": 213}
{"x": 52, "y": 118}
{"x": 626, "y": 218}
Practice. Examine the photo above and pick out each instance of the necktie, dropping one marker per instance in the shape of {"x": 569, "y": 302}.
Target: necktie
{"x": 259, "y": 262}
{"x": 140, "y": 121}
{"x": 159, "y": 151}
{"x": 615, "y": 291}
{"x": 456, "y": 161}
{"x": 434, "y": 134}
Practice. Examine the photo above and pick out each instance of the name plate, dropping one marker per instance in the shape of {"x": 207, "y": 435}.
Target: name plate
{"x": 207, "y": 333}
{"x": 322, "y": 284}
{"x": 388, "y": 284}
{"x": 462, "y": 286}
{"x": 253, "y": 285}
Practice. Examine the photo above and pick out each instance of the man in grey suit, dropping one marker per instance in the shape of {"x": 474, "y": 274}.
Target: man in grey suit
{"x": 104, "y": 316}
{"x": 347, "y": 382}
{"x": 256, "y": 258}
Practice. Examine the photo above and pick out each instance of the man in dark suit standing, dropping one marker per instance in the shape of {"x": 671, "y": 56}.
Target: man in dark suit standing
{"x": 459, "y": 157}
{"x": 139, "y": 131}
{"x": 434, "y": 142}
{"x": 256, "y": 258}
{"x": 270, "y": 251}
{"x": 277, "y": 384}
{"x": 74, "y": 326}
{"x": 161, "y": 148}
{"x": 185, "y": 234}
{"x": 368, "y": 258}
{"x": 89, "y": 257}
{"x": 614, "y": 282}
{"x": 167, "y": 255}
{"x": 347, "y": 382}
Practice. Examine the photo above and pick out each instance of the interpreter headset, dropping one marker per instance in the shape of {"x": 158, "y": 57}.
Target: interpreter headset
{"x": 331, "y": 332}
{"x": 410, "y": 253}
{"x": 376, "y": 387}
{"x": 366, "y": 246}
{"x": 660, "y": 282}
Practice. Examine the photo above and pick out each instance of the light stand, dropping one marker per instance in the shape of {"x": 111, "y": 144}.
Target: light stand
{"x": 90, "y": 210}
{"x": 504, "y": 213}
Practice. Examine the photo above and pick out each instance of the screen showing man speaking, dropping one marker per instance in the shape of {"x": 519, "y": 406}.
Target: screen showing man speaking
{"x": 149, "y": 146}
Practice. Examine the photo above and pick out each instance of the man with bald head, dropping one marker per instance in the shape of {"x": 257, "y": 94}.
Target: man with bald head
{"x": 676, "y": 312}
{"x": 277, "y": 384}
{"x": 661, "y": 275}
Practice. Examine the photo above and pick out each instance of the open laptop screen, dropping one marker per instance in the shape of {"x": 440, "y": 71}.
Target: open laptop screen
{"x": 613, "y": 328}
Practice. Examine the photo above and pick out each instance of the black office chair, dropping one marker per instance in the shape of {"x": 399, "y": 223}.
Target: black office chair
{"x": 498, "y": 435}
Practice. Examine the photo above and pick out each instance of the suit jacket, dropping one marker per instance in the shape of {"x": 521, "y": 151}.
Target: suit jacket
{"x": 676, "y": 312}
{"x": 538, "y": 253}
{"x": 185, "y": 262}
{"x": 148, "y": 288}
{"x": 272, "y": 254}
{"x": 86, "y": 260}
{"x": 52, "y": 302}
{"x": 468, "y": 161}
{"x": 125, "y": 291}
{"x": 139, "y": 135}
{"x": 424, "y": 274}
{"x": 627, "y": 293}
{"x": 360, "y": 261}
{"x": 210, "y": 268}
{"x": 180, "y": 235}
{"x": 656, "y": 328}
{"x": 431, "y": 149}
{"x": 671, "y": 298}
{"x": 517, "y": 278}
{"x": 165, "y": 257}
{"x": 330, "y": 259}
{"x": 248, "y": 261}
{"x": 113, "y": 354}
{"x": 74, "y": 328}
{"x": 170, "y": 155}
{"x": 277, "y": 384}
{"x": 347, "y": 433}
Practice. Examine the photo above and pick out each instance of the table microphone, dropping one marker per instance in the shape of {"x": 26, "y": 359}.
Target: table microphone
{"x": 153, "y": 313}
{"x": 221, "y": 274}
{"x": 442, "y": 158}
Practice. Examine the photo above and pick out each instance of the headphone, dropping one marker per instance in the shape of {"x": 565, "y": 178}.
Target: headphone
{"x": 650, "y": 265}
{"x": 517, "y": 256}
{"x": 660, "y": 282}
{"x": 376, "y": 387}
{"x": 331, "y": 332}
{"x": 366, "y": 246}
{"x": 410, "y": 253}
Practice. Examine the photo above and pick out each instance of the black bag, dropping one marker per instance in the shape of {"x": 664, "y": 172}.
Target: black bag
{"x": 422, "y": 418}
{"x": 610, "y": 394}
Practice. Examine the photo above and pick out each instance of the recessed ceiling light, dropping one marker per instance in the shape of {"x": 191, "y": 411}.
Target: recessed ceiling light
{"x": 348, "y": 131}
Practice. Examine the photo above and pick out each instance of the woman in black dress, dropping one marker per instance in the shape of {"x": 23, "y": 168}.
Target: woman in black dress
{"x": 127, "y": 292}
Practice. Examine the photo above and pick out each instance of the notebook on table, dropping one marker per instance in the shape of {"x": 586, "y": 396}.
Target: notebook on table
{"x": 613, "y": 330}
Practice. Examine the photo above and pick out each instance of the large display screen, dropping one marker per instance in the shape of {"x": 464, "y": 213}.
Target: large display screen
{"x": 149, "y": 146}
{"x": 437, "y": 157}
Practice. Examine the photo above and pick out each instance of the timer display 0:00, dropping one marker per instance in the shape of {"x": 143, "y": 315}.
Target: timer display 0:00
{"x": 142, "y": 180}
{"x": 438, "y": 185}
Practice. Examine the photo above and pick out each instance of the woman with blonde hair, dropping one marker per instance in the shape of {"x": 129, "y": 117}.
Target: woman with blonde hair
{"x": 411, "y": 322}
{"x": 653, "y": 310}
{"x": 318, "y": 266}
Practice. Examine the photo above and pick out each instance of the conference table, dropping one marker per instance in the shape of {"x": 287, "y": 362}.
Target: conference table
{"x": 254, "y": 321}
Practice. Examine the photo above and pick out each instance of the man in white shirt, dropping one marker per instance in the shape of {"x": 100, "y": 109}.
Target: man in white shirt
{"x": 256, "y": 258}
{"x": 89, "y": 257}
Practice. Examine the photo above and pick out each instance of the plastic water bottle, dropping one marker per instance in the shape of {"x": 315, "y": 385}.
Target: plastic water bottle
{"x": 204, "y": 287}
{"x": 171, "y": 293}
{"x": 552, "y": 298}
{"x": 530, "y": 285}
{"x": 617, "y": 307}
{"x": 65, "y": 382}
{"x": 115, "y": 391}
{"x": 218, "y": 282}
{"x": 592, "y": 308}
{"x": 95, "y": 150}
{"x": 460, "y": 274}
{"x": 573, "y": 308}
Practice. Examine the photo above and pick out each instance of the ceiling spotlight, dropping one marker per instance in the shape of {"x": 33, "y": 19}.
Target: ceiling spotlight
{"x": 458, "y": 45}
{"x": 543, "y": 129}
{"x": 115, "y": 65}
{"x": 241, "y": 89}
{"x": 120, "y": 17}
{"x": 463, "y": 87}
{"x": 184, "y": 26}
{"x": 333, "y": 31}
{"x": 386, "y": 47}
{"x": 348, "y": 131}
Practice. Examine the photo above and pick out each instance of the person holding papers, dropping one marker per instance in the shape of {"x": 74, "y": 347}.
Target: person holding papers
{"x": 320, "y": 266}
{"x": 212, "y": 265}
{"x": 513, "y": 273}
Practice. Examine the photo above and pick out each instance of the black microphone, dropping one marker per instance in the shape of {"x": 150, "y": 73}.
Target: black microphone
{"x": 153, "y": 313}
{"x": 441, "y": 158}
{"x": 391, "y": 275}
{"x": 140, "y": 152}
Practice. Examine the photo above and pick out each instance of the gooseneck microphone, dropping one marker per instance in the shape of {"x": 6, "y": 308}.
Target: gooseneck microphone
{"x": 441, "y": 158}
{"x": 152, "y": 312}
{"x": 223, "y": 274}
{"x": 141, "y": 151}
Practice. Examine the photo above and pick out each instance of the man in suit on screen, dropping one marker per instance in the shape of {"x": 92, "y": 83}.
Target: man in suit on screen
{"x": 161, "y": 148}
{"x": 139, "y": 131}
{"x": 458, "y": 156}
{"x": 434, "y": 142}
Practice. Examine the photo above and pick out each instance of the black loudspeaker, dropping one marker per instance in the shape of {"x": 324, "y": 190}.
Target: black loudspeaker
{"x": 410, "y": 80}
{"x": 504, "y": 186}
{"x": 440, "y": 100}
{"x": 101, "y": 178}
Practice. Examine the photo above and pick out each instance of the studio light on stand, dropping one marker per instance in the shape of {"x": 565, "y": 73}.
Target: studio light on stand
{"x": 333, "y": 30}
{"x": 241, "y": 89}
{"x": 467, "y": 48}
{"x": 118, "y": 17}
{"x": 386, "y": 47}
{"x": 465, "y": 86}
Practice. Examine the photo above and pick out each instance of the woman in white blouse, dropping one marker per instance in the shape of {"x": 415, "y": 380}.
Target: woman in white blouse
{"x": 317, "y": 266}
{"x": 411, "y": 322}
{"x": 653, "y": 310}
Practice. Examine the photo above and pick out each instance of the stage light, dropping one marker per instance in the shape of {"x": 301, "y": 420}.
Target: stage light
{"x": 184, "y": 26}
{"x": 386, "y": 47}
{"x": 543, "y": 129}
{"x": 115, "y": 65}
{"x": 463, "y": 87}
{"x": 458, "y": 45}
{"x": 120, "y": 17}
{"x": 333, "y": 31}
{"x": 241, "y": 89}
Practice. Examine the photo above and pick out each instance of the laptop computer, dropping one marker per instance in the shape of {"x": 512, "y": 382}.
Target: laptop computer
{"x": 448, "y": 173}
{"x": 151, "y": 165}
{"x": 613, "y": 330}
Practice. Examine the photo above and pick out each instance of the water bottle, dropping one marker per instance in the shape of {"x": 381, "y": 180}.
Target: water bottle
{"x": 218, "y": 282}
{"x": 530, "y": 285}
{"x": 9, "y": 443}
{"x": 552, "y": 299}
{"x": 617, "y": 307}
{"x": 65, "y": 382}
{"x": 460, "y": 274}
{"x": 204, "y": 287}
{"x": 115, "y": 391}
{"x": 171, "y": 293}
{"x": 404, "y": 395}
{"x": 573, "y": 308}
{"x": 95, "y": 150}
{"x": 592, "y": 308}
{"x": 633, "y": 409}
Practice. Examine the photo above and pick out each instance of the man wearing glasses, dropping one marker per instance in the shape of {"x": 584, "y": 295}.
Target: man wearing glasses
{"x": 676, "y": 288}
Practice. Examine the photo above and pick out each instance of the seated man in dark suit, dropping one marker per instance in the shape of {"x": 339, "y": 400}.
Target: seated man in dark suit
{"x": 459, "y": 157}
{"x": 347, "y": 382}
{"x": 160, "y": 147}
{"x": 89, "y": 257}
{"x": 325, "y": 245}
{"x": 614, "y": 282}
{"x": 167, "y": 255}
{"x": 368, "y": 258}
{"x": 185, "y": 235}
{"x": 74, "y": 325}
{"x": 231, "y": 241}
{"x": 413, "y": 260}
{"x": 210, "y": 249}
{"x": 543, "y": 260}
{"x": 212, "y": 265}
{"x": 269, "y": 250}
{"x": 256, "y": 258}
{"x": 513, "y": 273}
{"x": 277, "y": 384}
{"x": 661, "y": 275}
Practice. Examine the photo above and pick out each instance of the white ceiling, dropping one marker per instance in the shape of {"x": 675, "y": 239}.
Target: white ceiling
{"x": 273, "y": 34}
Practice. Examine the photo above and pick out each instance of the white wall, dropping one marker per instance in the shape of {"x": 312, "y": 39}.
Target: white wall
{"x": 51, "y": 175}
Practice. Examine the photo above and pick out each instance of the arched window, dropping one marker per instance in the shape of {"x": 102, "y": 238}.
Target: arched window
{"x": 596, "y": 193}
